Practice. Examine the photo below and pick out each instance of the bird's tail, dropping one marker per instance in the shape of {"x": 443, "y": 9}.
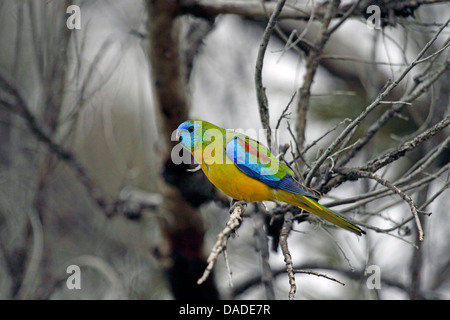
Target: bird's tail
{"x": 314, "y": 207}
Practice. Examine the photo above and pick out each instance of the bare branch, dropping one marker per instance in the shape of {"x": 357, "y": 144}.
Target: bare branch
{"x": 312, "y": 64}
{"x": 390, "y": 113}
{"x": 253, "y": 9}
{"x": 287, "y": 226}
{"x": 312, "y": 144}
{"x": 35, "y": 259}
{"x": 257, "y": 10}
{"x": 62, "y": 153}
{"x": 285, "y": 114}
{"x": 384, "y": 92}
{"x": 412, "y": 205}
{"x": 356, "y": 275}
{"x": 365, "y": 198}
{"x": 359, "y": 60}
{"x": 405, "y": 147}
{"x": 346, "y": 15}
{"x": 222, "y": 238}
{"x": 130, "y": 203}
{"x": 318, "y": 274}
{"x": 263, "y": 248}
{"x": 260, "y": 90}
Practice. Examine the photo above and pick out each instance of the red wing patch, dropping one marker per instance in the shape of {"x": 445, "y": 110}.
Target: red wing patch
{"x": 248, "y": 148}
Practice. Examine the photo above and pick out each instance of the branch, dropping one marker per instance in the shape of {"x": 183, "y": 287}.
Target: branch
{"x": 287, "y": 227}
{"x": 363, "y": 199}
{"x": 19, "y": 106}
{"x": 260, "y": 90}
{"x": 256, "y": 9}
{"x": 312, "y": 64}
{"x": 263, "y": 247}
{"x": 35, "y": 259}
{"x": 130, "y": 202}
{"x": 349, "y": 12}
{"x": 346, "y": 174}
{"x": 391, "y": 112}
{"x": 405, "y": 147}
{"x": 250, "y": 9}
{"x": 183, "y": 236}
{"x": 359, "y": 275}
{"x": 318, "y": 274}
{"x": 384, "y": 92}
{"x": 222, "y": 238}
{"x": 412, "y": 205}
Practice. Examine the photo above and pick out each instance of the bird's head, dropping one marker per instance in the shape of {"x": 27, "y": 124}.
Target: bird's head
{"x": 189, "y": 134}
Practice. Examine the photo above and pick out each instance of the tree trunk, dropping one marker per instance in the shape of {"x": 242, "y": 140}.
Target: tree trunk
{"x": 183, "y": 228}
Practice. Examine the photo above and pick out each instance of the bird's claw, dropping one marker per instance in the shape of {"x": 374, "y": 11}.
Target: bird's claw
{"x": 234, "y": 204}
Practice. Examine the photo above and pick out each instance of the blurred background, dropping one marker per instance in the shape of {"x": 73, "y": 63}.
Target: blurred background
{"x": 90, "y": 98}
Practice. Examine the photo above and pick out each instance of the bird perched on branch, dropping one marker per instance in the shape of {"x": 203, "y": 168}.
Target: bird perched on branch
{"x": 244, "y": 169}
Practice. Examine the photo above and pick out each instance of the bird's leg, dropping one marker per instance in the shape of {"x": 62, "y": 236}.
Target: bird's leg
{"x": 234, "y": 203}
{"x": 236, "y": 215}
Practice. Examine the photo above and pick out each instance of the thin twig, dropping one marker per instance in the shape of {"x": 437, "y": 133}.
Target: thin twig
{"x": 253, "y": 8}
{"x": 420, "y": 166}
{"x": 359, "y": 60}
{"x": 14, "y": 102}
{"x": 386, "y": 90}
{"x": 297, "y": 149}
{"x": 312, "y": 63}
{"x": 325, "y": 134}
{"x": 289, "y": 43}
{"x": 33, "y": 266}
{"x": 405, "y": 147}
{"x": 318, "y": 274}
{"x": 404, "y": 196}
{"x": 285, "y": 114}
{"x": 390, "y": 113}
{"x": 339, "y": 247}
{"x": 262, "y": 246}
{"x": 287, "y": 226}
{"x": 433, "y": 197}
{"x": 346, "y": 15}
{"x": 227, "y": 263}
{"x": 445, "y": 46}
{"x": 222, "y": 239}
{"x": 260, "y": 90}
{"x": 20, "y": 107}
{"x": 365, "y": 198}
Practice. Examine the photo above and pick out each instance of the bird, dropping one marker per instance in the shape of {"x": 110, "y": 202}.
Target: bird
{"x": 245, "y": 170}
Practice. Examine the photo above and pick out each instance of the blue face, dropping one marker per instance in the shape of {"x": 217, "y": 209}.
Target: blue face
{"x": 189, "y": 133}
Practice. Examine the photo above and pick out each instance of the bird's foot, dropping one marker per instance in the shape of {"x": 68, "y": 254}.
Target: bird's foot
{"x": 234, "y": 203}
{"x": 236, "y": 215}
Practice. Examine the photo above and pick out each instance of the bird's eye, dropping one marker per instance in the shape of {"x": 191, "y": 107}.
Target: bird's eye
{"x": 191, "y": 129}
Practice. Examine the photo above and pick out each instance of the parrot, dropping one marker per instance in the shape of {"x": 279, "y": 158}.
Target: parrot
{"x": 245, "y": 170}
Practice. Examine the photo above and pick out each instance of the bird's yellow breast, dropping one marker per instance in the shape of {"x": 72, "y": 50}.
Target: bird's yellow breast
{"x": 235, "y": 183}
